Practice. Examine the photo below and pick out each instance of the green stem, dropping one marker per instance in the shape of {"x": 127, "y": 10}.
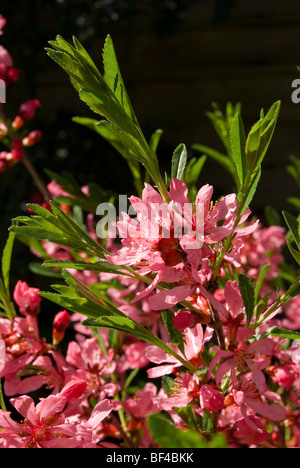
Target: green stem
{"x": 280, "y": 301}
{"x": 2, "y": 403}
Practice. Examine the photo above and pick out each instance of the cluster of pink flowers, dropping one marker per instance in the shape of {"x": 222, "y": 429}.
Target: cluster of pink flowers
{"x": 245, "y": 385}
{"x": 85, "y": 384}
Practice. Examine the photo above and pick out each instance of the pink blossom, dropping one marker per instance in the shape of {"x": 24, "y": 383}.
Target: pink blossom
{"x": 43, "y": 426}
{"x": 143, "y": 403}
{"x": 153, "y": 242}
{"x": 27, "y": 298}
{"x": 92, "y": 365}
{"x": 242, "y": 357}
{"x": 253, "y": 433}
{"x": 194, "y": 341}
{"x": 248, "y": 397}
{"x": 133, "y": 357}
{"x": 46, "y": 426}
{"x": 22, "y": 346}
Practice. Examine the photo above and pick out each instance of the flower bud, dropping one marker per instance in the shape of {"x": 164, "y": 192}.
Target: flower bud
{"x": 3, "y": 130}
{"x": 28, "y": 299}
{"x": 32, "y": 138}
{"x": 18, "y": 122}
{"x": 211, "y": 398}
{"x": 60, "y": 324}
{"x": 17, "y": 154}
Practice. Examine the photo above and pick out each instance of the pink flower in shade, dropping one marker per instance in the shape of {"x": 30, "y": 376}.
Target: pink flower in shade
{"x": 291, "y": 318}
{"x": 143, "y": 403}
{"x": 194, "y": 342}
{"x": 5, "y": 58}
{"x": 53, "y": 372}
{"x": 250, "y": 434}
{"x": 8, "y": 73}
{"x": 44, "y": 425}
{"x": 262, "y": 247}
{"x": 252, "y": 401}
{"x": 133, "y": 357}
{"x": 92, "y": 365}
{"x": 243, "y": 356}
{"x": 22, "y": 346}
{"x": 28, "y": 299}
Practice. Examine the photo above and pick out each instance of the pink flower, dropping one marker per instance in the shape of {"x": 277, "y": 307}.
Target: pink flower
{"x": 175, "y": 241}
{"x": 248, "y": 397}
{"x": 22, "y": 346}
{"x": 133, "y": 357}
{"x": 27, "y": 298}
{"x": 43, "y": 426}
{"x": 143, "y": 403}
{"x": 194, "y": 341}
{"x": 253, "y": 433}
{"x": 8, "y": 73}
{"x": 242, "y": 357}
{"x": 92, "y": 365}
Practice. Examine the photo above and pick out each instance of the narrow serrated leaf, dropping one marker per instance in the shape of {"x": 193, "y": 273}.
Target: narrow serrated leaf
{"x": 179, "y": 160}
{"x": 247, "y": 292}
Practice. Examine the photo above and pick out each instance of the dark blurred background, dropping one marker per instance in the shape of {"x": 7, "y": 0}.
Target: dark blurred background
{"x": 176, "y": 58}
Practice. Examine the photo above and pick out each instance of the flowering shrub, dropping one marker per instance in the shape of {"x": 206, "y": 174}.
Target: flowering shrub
{"x": 184, "y": 308}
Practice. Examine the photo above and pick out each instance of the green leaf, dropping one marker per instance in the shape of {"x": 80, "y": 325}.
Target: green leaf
{"x": 188, "y": 415}
{"x": 251, "y": 191}
{"x": 155, "y": 139}
{"x": 283, "y": 333}
{"x": 260, "y": 280}
{"x": 248, "y": 296}
{"x": 6, "y": 259}
{"x": 113, "y": 77}
{"x": 103, "y": 266}
{"x": 39, "y": 269}
{"x": 260, "y": 136}
{"x": 294, "y": 252}
{"x": 176, "y": 337}
{"x": 166, "y": 435}
{"x": 293, "y": 226}
{"x": 217, "y": 156}
{"x": 238, "y": 145}
{"x": 179, "y": 160}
